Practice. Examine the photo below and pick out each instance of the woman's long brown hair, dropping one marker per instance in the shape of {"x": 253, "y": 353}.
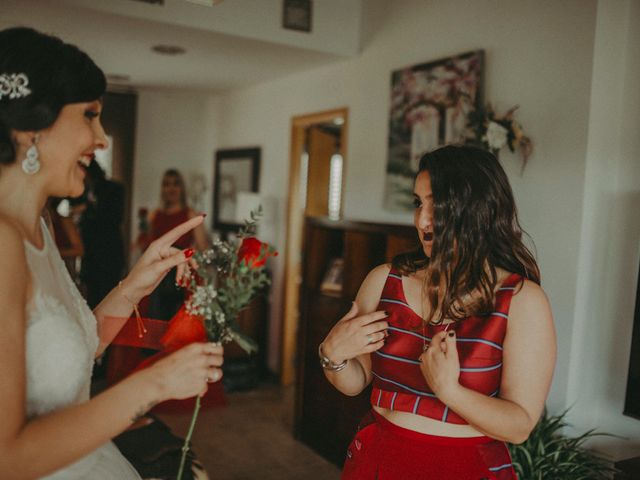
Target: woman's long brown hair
{"x": 476, "y": 231}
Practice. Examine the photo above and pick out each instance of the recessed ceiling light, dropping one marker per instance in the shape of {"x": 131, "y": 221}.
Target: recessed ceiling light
{"x": 168, "y": 49}
{"x": 117, "y": 77}
{"x": 206, "y": 3}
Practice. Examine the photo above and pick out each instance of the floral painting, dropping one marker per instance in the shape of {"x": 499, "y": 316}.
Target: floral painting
{"x": 430, "y": 107}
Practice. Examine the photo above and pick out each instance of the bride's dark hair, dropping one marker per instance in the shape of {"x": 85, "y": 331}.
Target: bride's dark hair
{"x": 58, "y": 74}
{"x": 476, "y": 231}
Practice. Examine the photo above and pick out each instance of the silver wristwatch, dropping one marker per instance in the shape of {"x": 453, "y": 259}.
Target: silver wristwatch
{"x": 327, "y": 364}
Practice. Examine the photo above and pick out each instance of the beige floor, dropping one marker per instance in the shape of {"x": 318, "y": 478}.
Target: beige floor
{"x": 251, "y": 439}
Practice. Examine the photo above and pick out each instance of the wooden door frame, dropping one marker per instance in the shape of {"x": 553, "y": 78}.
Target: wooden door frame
{"x": 295, "y": 223}
{"x": 124, "y": 156}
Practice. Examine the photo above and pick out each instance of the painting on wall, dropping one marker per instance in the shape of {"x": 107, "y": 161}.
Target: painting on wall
{"x": 430, "y": 106}
{"x": 297, "y": 14}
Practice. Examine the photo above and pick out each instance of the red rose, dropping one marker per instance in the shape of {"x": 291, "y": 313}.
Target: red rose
{"x": 253, "y": 253}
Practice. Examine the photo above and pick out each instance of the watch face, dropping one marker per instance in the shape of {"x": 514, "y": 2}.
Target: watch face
{"x": 324, "y": 361}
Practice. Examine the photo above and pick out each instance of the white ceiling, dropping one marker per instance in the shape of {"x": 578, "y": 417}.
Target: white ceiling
{"x": 231, "y": 45}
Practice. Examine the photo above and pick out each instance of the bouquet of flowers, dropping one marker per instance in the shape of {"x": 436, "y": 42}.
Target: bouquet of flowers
{"x": 226, "y": 279}
{"x": 488, "y": 130}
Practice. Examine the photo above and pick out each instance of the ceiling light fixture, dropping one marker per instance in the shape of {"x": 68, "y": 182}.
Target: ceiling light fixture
{"x": 206, "y": 3}
{"x": 117, "y": 77}
{"x": 168, "y": 49}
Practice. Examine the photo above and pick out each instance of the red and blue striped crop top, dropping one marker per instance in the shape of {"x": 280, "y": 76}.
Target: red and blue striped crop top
{"x": 398, "y": 383}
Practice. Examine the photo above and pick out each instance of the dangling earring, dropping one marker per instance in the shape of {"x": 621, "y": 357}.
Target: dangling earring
{"x": 31, "y": 164}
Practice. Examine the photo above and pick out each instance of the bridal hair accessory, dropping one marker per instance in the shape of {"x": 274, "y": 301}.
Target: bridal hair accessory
{"x": 14, "y": 85}
{"x": 31, "y": 164}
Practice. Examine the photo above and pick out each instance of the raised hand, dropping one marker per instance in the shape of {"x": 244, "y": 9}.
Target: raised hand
{"x": 440, "y": 364}
{"x": 159, "y": 259}
{"x": 355, "y": 335}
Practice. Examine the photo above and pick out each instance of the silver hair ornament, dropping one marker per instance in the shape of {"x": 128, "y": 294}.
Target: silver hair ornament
{"x": 14, "y": 85}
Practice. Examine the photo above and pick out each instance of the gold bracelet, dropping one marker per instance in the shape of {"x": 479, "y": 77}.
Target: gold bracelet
{"x": 141, "y": 328}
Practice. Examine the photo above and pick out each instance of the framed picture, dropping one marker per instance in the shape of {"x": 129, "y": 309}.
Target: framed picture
{"x": 430, "y": 106}
{"x": 333, "y": 278}
{"x": 297, "y": 14}
{"x": 235, "y": 170}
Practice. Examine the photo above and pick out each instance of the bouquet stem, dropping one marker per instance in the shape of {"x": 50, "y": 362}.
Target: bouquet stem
{"x": 187, "y": 440}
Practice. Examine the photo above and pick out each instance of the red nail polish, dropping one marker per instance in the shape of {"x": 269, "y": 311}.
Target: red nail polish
{"x": 188, "y": 253}
{"x": 204, "y": 215}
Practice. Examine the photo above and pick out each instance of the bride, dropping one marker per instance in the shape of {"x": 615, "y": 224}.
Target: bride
{"x": 49, "y": 129}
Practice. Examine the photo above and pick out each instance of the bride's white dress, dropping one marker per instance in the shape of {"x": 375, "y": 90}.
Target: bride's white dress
{"x": 61, "y": 343}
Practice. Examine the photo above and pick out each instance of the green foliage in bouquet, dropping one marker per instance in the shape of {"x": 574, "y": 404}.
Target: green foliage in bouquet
{"x": 229, "y": 275}
{"x": 549, "y": 455}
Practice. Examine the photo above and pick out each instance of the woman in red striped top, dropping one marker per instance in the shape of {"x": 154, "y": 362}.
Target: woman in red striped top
{"x": 457, "y": 337}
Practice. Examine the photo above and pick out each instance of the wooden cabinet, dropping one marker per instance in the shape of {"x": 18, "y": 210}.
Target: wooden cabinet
{"x": 242, "y": 371}
{"x": 325, "y": 419}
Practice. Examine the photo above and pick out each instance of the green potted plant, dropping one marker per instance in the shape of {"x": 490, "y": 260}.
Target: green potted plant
{"x": 548, "y": 455}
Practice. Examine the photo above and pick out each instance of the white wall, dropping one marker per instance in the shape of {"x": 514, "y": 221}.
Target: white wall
{"x": 609, "y": 250}
{"x": 173, "y": 130}
{"x": 539, "y": 58}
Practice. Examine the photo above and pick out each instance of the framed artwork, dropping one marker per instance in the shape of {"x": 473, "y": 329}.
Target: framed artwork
{"x": 297, "y": 14}
{"x": 235, "y": 170}
{"x": 430, "y": 105}
{"x": 333, "y": 279}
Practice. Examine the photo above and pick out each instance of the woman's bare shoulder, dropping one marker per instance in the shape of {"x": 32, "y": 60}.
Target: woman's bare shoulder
{"x": 379, "y": 274}
{"x": 371, "y": 288}
{"x": 12, "y": 254}
{"x": 529, "y": 300}
{"x": 10, "y": 236}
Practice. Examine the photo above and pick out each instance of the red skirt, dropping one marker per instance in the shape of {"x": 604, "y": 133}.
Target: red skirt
{"x": 384, "y": 451}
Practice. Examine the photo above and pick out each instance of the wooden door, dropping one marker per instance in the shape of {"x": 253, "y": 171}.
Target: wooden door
{"x": 296, "y": 213}
{"x": 321, "y": 146}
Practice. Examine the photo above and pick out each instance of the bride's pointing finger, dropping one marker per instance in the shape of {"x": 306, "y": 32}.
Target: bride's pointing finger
{"x": 174, "y": 234}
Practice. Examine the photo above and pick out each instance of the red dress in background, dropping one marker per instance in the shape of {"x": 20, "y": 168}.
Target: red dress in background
{"x": 163, "y": 222}
{"x": 166, "y": 299}
{"x": 162, "y": 304}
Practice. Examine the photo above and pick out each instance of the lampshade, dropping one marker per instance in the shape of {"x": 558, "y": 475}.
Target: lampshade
{"x": 246, "y": 202}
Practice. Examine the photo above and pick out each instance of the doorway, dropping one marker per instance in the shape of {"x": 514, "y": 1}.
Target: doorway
{"x": 119, "y": 120}
{"x": 316, "y": 173}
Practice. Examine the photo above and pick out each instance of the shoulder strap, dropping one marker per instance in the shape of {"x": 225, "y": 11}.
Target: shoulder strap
{"x": 392, "y": 285}
{"x": 505, "y": 293}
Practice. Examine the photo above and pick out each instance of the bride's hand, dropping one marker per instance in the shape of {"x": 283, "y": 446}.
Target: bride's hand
{"x": 188, "y": 371}
{"x": 158, "y": 260}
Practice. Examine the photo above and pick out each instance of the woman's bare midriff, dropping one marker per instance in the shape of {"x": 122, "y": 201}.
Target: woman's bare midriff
{"x": 427, "y": 425}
